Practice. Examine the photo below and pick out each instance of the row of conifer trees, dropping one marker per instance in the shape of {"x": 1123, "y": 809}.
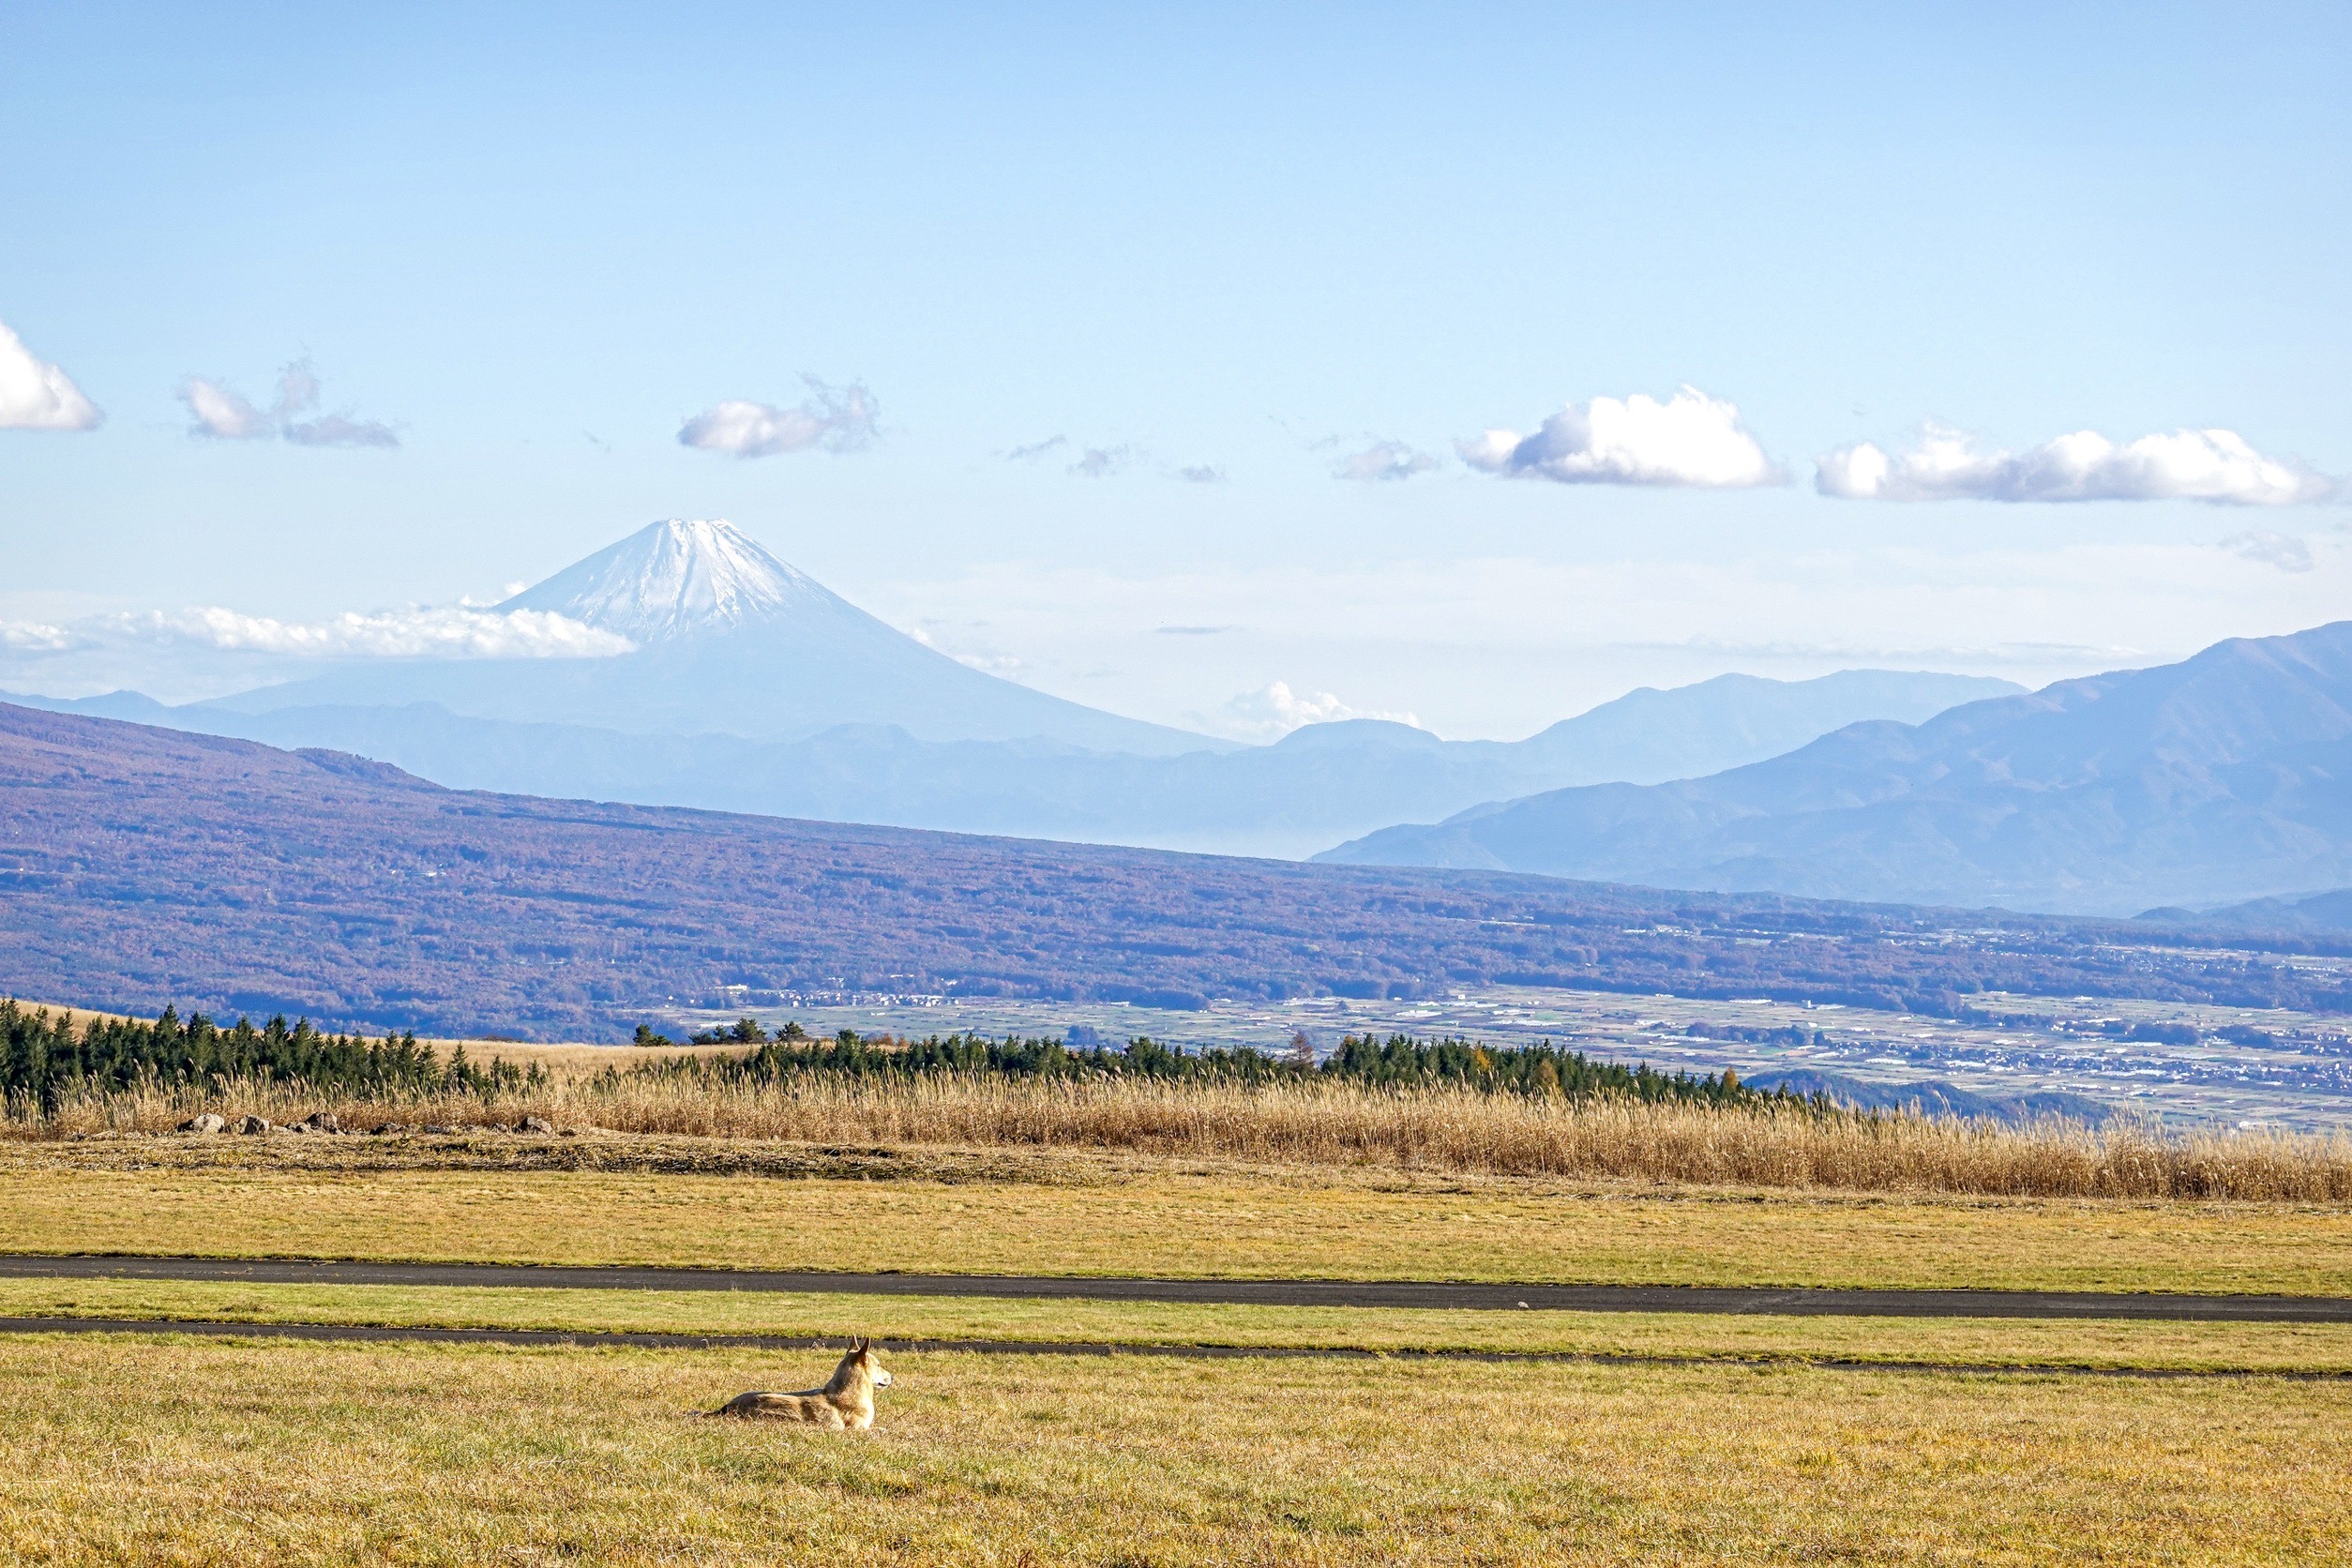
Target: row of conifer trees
{"x": 1400, "y": 1060}
{"x": 42, "y": 1055}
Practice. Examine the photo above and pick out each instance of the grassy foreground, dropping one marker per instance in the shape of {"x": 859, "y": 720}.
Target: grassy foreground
{"x": 225, "y": 1453}
{"x": 2024, "y": 1344}
{"x": 1045, "y": 1212}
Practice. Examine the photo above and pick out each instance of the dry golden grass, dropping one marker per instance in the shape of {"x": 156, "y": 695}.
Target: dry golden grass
{"x": 136, "y": 1452}
{"x": 495, "y": 1198}
{"x": 1343, "y": 1125}
{"x": 2024, "y": 1344}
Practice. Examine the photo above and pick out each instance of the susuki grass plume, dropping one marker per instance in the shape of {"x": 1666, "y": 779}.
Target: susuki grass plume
{"x": 1322, "y": 1124}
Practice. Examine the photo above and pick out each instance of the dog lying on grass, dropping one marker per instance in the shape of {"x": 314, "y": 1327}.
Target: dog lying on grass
{"x": 845, "y": 1403}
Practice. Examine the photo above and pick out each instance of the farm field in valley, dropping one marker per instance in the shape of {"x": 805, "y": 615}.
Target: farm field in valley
{"x": 240, "y": 1452}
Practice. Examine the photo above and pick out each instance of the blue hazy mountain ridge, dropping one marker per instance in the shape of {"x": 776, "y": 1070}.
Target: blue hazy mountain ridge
{"x": 1935, "y": 1097}
{"x": 2222, "y": 777}
{"x": 1285, "y": 799}
{"x": 2328, "y": 913}
{"x": 730, "y": 640}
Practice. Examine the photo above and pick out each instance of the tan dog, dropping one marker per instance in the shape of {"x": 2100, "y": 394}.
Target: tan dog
{"x": 846, "y": 1401}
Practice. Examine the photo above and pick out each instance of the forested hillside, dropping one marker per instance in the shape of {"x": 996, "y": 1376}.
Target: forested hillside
{"x": 142, "y": 867}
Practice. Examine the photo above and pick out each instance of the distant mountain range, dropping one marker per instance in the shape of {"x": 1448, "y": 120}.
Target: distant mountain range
{"x": 139, "y": 867}
{"x": 755, "y": 688}
{"x": 2321, "y": 915}
{"x": 1286, "y": 800}
{"x": 2227, "y": 777}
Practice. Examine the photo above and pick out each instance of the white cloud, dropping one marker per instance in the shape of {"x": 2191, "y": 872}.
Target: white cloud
{"x": 1201, "y": 474}
{"x": 34, "y": 636}
{"x": 36, "y": 394}
{"x": 2285, "y": 552}
{"x": 1036, "y": 450}
{"x": 221, "y": 412}
{"x": 838, "y": 419}
{"x": 1387, "y": 460}
{"x": 1006, "y": 665}
{"x": 1100, "y": 463}
{"x": 1274, "y": 711}
{"x": 443, "y": 631}
{"x": 2220, "y": 467}
{"x": 1689, "y": 439}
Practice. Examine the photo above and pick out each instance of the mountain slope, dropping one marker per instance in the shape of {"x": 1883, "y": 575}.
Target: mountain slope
{"x": 732, "y": 641}
{"x": 139, "y": 867}
{"x": 1288, "y": 799}
{"x": 1648, "y": 736}
{"x": 2226, "y": 777}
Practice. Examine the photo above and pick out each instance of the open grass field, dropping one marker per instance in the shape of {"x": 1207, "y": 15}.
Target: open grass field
{"x": 1745, "y": 1438}
{"x": 513, "y": 1199}
{"x": 185, "y": 1452}
{"x": 2108, "y": 1345}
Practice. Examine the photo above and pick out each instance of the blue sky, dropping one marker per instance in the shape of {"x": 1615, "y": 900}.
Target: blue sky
{"x": 1250, "y": 242}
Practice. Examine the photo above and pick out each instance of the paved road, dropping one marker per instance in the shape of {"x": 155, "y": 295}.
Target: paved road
{"x": 374, "y": 1334}
{"x": 1249, "y": 1292}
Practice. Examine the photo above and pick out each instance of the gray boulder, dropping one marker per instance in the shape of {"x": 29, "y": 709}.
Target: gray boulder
{"x": 206, "y": 1123}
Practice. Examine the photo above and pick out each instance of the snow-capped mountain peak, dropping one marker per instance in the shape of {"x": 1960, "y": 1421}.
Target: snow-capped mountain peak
{"x": 679, "y": 580}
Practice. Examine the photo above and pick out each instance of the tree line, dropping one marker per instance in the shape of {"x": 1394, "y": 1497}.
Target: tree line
{"x": 43, "y": 1057}
{"x": 1398, "y": 1061}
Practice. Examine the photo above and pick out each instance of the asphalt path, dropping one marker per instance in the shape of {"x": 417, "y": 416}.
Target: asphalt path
{"x": 375, "y": 1333}
{"x": 1441, "y": 1294}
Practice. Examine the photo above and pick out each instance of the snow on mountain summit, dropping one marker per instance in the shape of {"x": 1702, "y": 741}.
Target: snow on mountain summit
{"x": 728, "y": 641}
{"x": 678, "y": 580}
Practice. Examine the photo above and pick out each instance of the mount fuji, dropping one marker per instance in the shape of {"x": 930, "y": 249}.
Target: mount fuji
{"x": 730, "y": 641}
{"x": 750, "y": 686}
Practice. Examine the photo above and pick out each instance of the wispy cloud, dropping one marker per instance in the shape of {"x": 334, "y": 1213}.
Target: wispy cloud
{"x": 220, "y": 413}
{"x": 2285, "y": 552}
{"x": 1275, "y": 710}
{"x": 837, "y": 418}
{"x": 1009, "y": 666}
{"x": 1098, "y": 462}
{"x": 36, "y": 394}
{"x": 2219, "y": 467}
{"x": 1689, "y": 440}
{"x": 1385, "y": 460}
{"x": 1201, "y": 474}
{"x": 36, "y": 637}
{"x": 1036, "y": 450}
{"x": 435, "y": 631}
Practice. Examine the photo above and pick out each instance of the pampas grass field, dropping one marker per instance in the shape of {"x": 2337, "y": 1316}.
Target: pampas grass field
{"x": 1335, "y": 1124}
